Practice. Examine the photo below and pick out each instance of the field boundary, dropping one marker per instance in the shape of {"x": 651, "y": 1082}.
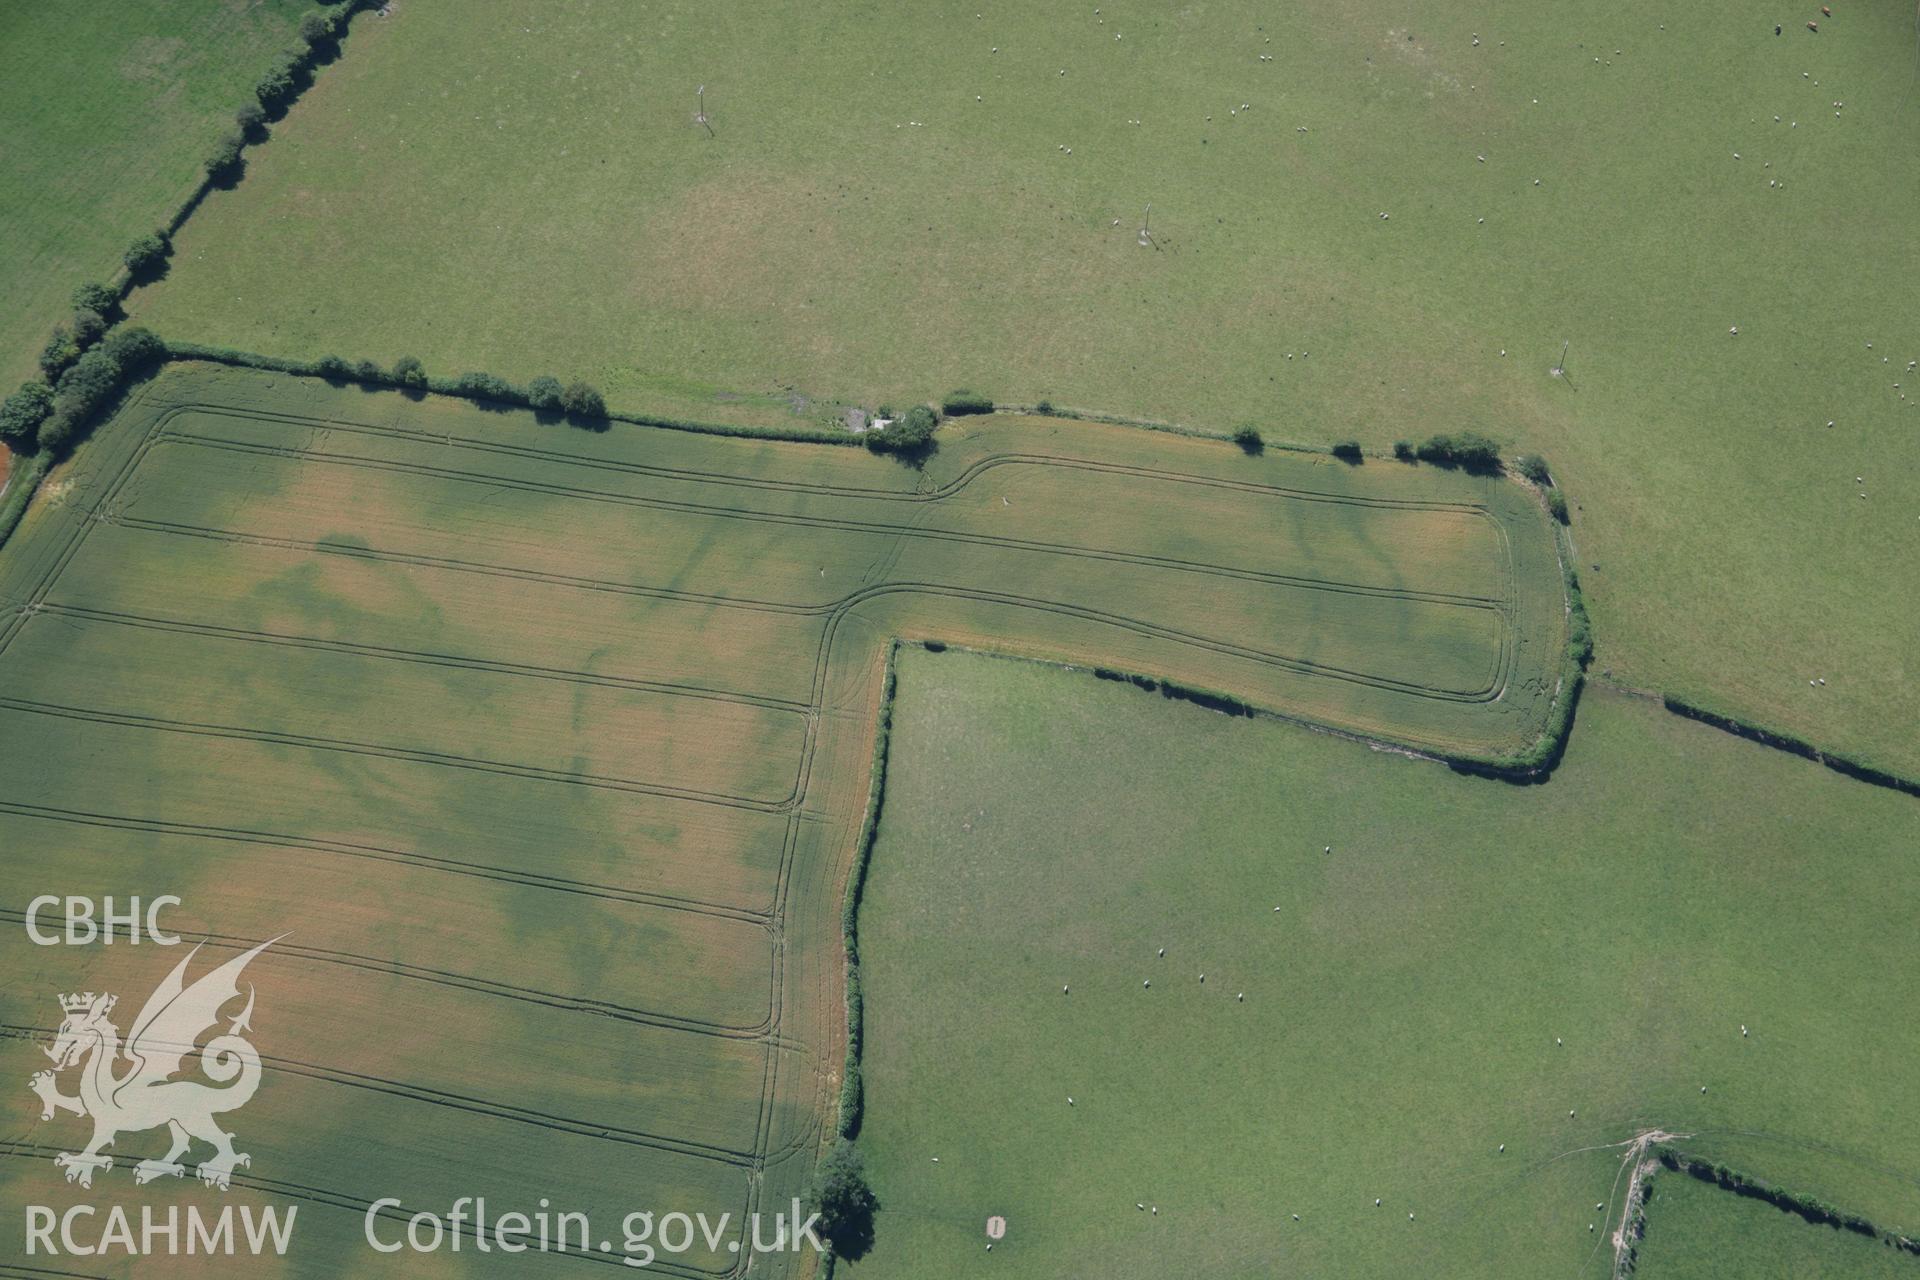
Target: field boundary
{"x": 1853, "y": 767}
{"x": 1528, "y": 764}
{"x": 1047, "y": 409}
{"x": 1813, "y": 1211}
{"x": 235, "y": 358}
{"x": 311, "y": 60}
{"x": 852, "y": 1104}
{"x": 22, "y": 483}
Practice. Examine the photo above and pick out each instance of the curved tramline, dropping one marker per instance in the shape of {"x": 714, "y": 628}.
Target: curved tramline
{"x": 537, "y": 737}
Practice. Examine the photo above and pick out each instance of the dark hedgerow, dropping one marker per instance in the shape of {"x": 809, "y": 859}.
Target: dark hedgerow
{"x": 1403, "y": 450}
{"x": 90, "y": 383}
{"x": 409, "y": 372}
{"x": 1469, "y": 451}
{"x": 1248, "y": 437}
{"x": 544, "y": 393}
{"x": 1347, "y": 451}
{"x": 368, "y": 371}
{"x": 583, "y": 400}
{"x": 486, "y": 386}
{"x": 961, "y": 402}
{"x": 1557, "y": 505}
{"x": 1579, "y": 629}
{"x": 332, "y": 368}
{"x": 145, "y": 255}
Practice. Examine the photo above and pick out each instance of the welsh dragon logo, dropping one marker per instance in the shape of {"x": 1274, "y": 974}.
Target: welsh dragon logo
{"x": 128, "y": 1088}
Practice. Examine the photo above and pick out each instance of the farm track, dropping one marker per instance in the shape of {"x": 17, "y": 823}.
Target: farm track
{"x": 783, "y": 1049}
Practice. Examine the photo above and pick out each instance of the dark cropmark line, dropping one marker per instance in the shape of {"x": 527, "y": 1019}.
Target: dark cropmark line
{"x": 398, "y": 1216}
{"x": 428, "y": 862}
{"x": 563, "y": 1001}
{"x": 577, "y": 493}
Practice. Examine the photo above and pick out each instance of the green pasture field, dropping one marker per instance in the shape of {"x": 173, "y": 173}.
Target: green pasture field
{"x": 896, "y": 201}
{"x": 1696, "y": 1231}
{"x": 107, "y": 111}
{"x": 1553, "y": 968}
{"x": 547, "y": 749}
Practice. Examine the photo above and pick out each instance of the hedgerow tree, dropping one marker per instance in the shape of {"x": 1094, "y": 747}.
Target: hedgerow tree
{"x": 61, "y": 350}
{"x": 87, "y": 327}
{"x": 223, "y": 161}
{"x": 133, "y": 349}
{"x": 544, "y": 393}
{"x": 90, "y": 378}
{"x": 96, "y": 297}
{"x": 911, "y": 433}
{"x": 276, "y": 85}
{"x": 583, "y": 400}
{"x": 251, "y": 119}
{"x": 1247, "y": 436}
{"x": 409, "y": 372}
{"x": 1534, "y": 468}
{"x": 1347, "y": 451}
{"x": 316, "y": 27}
{"x": 145, "y": 255}
{"x": 332, "y": 368}
{"x": 21, "y": 415}
{"x": 846, "y": 1204}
